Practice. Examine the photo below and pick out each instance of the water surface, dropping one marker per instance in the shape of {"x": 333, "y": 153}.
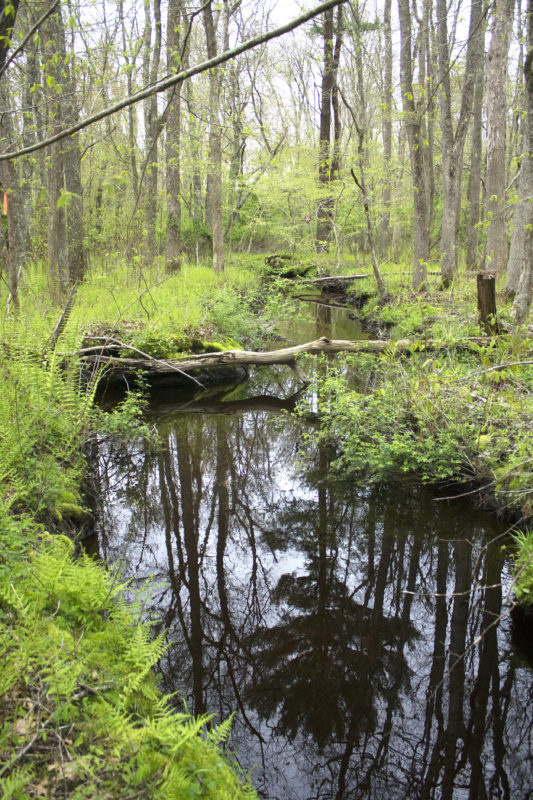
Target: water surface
{"x": 362, "y": 636}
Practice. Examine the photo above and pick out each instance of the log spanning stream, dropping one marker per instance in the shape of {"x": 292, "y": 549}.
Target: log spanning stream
{"x": 362, "y": 636}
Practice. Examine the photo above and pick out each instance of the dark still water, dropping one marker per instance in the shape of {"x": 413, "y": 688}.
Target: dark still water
{"x": 356, "y": 633}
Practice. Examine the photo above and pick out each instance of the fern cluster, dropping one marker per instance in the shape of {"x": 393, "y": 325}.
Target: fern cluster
{"x": 81, "y": 713}
{"x": 45, "y": 411}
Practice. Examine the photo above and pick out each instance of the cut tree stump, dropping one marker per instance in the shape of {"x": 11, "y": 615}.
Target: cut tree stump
{"x": 486, "y": 303}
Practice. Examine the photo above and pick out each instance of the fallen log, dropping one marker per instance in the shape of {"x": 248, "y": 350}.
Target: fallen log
{"x": 118, "y": 368}
{"x": 331, "y": 284}
{"x": 327, "y": 278}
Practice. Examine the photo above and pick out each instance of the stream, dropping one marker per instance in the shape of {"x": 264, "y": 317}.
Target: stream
{"x": 361, "y": 635}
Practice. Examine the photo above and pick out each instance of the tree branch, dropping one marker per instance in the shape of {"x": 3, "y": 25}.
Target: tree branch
{"x": 28, "y": 36}
{"x": 171, "y": 80}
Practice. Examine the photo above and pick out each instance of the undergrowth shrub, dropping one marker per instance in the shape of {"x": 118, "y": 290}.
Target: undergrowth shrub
{"x": 439, "y": 417}
{"x": 45, "y": 411}
{"x": 523, "y": 567}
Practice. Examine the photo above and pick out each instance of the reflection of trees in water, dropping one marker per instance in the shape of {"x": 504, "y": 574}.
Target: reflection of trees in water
{"x": 297, "y": 603}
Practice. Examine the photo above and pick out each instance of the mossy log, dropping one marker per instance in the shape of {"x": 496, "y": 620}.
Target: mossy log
{"x": 118, "y": 368}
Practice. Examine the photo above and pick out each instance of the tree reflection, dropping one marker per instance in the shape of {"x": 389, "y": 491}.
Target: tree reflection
{"x": 344, "y": 626}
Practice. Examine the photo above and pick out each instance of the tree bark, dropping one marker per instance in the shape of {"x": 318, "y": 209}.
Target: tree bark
{"x": 453, "y": 141}
{"x": 386, "y": 125}
{"x": 522, "y": 218}
{"x": 151, "y": 59}
{"x": 496, "y": 85}
{"x": 328, "y": 150}
{"x": 66, "y": 250}
{"x": 214, "y": 184}
{"x": 173, "y": 133}
{"x": 324, "y": 220}
{"x": 8, "y": 15}
{"x": 130, "y": 63}
{"x": 416, "y": 141}
{"x": 524, "y": 289}
{"x": 486, "y": 302}
{"x": 16, "y": 251}
{"x": 476, "y": 160}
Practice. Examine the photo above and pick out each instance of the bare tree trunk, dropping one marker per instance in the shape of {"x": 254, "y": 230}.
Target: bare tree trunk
{"x": 324, "y": 221}
{"x": 130, "y": 63}
{"x": 17, "y": 232}
{"x": 214, "y": 186}
{"x": 173, "y": 132}
{"x": 359, "y": 118}
{"x": 524, "y": 289}
{"x": 413, "y": 128}
{"x": 57, "y": 239}
{"x": 427, "y": 80}
{"x": 152, "y": 127}
{"x": 76, "y": 254}
{"x": 66, "y": 251}
{"x": 384, "y": 228}
{"x": 496, "y": 85}
{"x": 328, "y": 152}
{"x": 453, "y": 142}
{"x": 522, "y": 218}
{"x": 476, "y": 162}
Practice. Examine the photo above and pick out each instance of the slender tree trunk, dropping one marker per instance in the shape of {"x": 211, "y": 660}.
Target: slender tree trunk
{"x": 66, "y": 250}
{"x": 522, "y": 302}
{"x": 57, "y": 240}
{"x": 214, "y": 186}
{"x": 427, "y": 80}
{"x": 173, "y": 132}
{"x": 132, "y": 138}
{"x": 324, "y": 220}
{"x": 152, "y": 127}
{"x": 384, "y": 228}
{"x": 17, "y": 232}
{"x": 522, "y": 218}
{"x": 413, "y": 128}
{"x": 335, "y": 157}
{"x": 496, "y": 85}
{"x": 453, "y": 142}
{"x": 476, "y": 163}
{"x": 328, "y": 150}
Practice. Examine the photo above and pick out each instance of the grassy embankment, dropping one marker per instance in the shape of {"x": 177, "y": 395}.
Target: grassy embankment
{"x": 81, "y": 714}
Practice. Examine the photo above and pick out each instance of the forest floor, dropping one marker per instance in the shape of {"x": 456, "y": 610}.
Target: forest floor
{"x": 75, "y": 677}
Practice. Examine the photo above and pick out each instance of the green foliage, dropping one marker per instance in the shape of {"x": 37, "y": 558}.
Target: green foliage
{"x": 77, "y": 678}
{"x": 45, "y": 412}
{"x": 405, "y": 421}
{"x": 523, "y": 567}
{"x": 451, "y": 415}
